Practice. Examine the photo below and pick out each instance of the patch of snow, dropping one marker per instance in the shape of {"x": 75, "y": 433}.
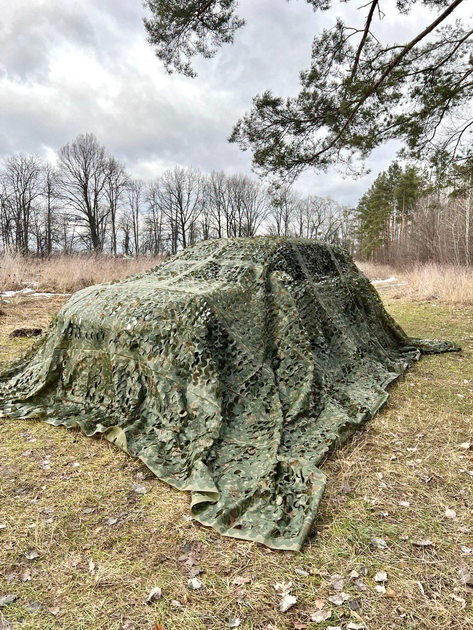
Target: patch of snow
{"x": 392, "y": 282}
{"x": 49, "y": 294}
{"x": 31, "y": 293}
{"x": 391, "y": 279}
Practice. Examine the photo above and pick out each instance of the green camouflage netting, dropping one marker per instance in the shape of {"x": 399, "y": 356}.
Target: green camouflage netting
{"x": 229, "y": 370}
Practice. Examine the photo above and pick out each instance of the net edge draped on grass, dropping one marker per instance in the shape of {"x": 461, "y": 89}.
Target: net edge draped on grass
{"x": 229, "y": 370}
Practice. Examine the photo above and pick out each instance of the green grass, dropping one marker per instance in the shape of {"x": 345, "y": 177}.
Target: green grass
{"x": 409, "y": 452}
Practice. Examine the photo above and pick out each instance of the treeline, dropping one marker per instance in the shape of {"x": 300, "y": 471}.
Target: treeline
{"x": 418, "y": 215}
{"x": 86, "y": 201}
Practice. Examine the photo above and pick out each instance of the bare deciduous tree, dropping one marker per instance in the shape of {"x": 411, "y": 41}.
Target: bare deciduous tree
{"x": 82, "y": 177}
{"x": 154, "y": 220}
{"x": 116, "y": 183}
{"x": 135, "y": 190}
{"x": 181, "y": 196}
{"x": 20, "y": 190}
{"x": 50, "y": 195}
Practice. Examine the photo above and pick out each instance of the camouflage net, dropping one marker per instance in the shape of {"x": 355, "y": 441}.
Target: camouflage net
{"x": 229, "y": 370}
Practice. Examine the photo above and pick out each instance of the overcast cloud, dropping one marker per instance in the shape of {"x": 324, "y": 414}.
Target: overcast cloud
{"x": 70, "y": 66}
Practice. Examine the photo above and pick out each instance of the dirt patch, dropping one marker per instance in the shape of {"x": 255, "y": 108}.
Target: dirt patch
{"x": 25, "y": 332}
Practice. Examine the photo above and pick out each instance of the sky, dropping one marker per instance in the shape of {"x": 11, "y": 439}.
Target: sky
{"x": 76, "y": 66}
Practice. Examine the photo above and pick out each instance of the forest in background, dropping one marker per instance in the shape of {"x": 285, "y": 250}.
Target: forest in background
{"x": 418, "y": 215}
{"x": 87, "y": 202}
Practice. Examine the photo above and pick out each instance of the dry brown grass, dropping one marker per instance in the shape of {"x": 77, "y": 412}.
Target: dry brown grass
{"x": 66, "y": 274}
{"x": 58, "y": 489}
{"x": 377, "y": 271}
{"x": 450, "y": 284}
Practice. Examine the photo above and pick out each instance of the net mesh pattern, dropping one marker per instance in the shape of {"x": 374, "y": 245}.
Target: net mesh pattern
{"x": 230, "y": 371}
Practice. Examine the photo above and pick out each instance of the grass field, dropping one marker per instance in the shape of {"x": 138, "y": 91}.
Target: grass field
{"x": 106, "y": 532}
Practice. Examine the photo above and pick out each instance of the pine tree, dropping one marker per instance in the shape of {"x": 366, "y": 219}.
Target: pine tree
{"x": 357, "y": 93}
{"x": 386, "y": 208}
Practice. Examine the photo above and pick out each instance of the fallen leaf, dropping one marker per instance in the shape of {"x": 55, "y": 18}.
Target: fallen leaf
{"x": 301, "y": 572}
{"x": 158, "y": 626}
{"x": 381, "y": 576}
{"x": 111, "y": 521}
{"x": 234, "y": 622}
{"x": 360, "y": 585}
{"x": 339, "y": 598}
{"x": 404, "y": 503}
{"x": 321, "y": 616}
{"x": 298, "y": 625}
{"x": 31, "y": 554}
{"x": 7, "y": 599}
{"x": 190, "y": 555}
{"x": 128, "y": 625}
{"x": 423, "y": 543}
{"x": 466, "y": 551}
{"x": 269, "y": 626}
{"x": 54, "y": 611}
{"x": 287, "y": 601}
{"x": 240, "y": 594}
{"x": 194, "y": 584}
{"x": 379, "y": 543}
{"x": 25, "y": 577}
{"x": 241, "y": 580}
{"x": 155, "y": 594}
{"x": 91, "y": 567}
{"x": 450, "y": 513}
{"x": 465, "y": 445}
{"x": 32, "y": 606}
{"x": 319, "y": 603}
{"x": 391, "y": 593}
{"x": 283, "y": 588}
{"x": 3, "y": 525}
{"x": 380, "y": 588}
{"x": 138, "y": 489}
{"x": 354, "y": 604}
{"x": 176, "y": 603}
{"x": 354, "y": 575}
{"x": 355, "y": 626}
{"x": 337, "y": 582}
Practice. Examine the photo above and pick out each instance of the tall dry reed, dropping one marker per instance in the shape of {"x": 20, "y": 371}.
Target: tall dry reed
{"x": 450, "y": 284}
{"x": 66, "y": 274}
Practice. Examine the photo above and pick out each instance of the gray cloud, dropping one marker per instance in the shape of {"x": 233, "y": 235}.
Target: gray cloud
{"x": 68, "y": 67}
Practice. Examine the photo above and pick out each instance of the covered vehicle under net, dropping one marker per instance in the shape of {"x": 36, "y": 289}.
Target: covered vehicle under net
{"x": 229, "y": 370}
